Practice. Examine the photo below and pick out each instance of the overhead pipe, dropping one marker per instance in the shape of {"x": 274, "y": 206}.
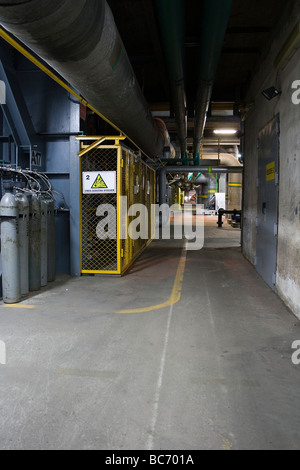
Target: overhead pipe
{"x": 171, "y": 15}
{"x": 168, "y": 146}
{"x": 212, "y": 32}
{"x": 81, "y": 42}
{"x": 187, "y": 169}
{"x": 223, "y": 159}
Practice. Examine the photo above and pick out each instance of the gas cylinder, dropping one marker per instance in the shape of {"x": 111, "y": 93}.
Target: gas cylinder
{"x": 23, "y": 205}
{"x": 9, "y": 213}
{"x": 34, "y": 242}
{"x": 51, "y": 239}
{"x": 44, "y": 245}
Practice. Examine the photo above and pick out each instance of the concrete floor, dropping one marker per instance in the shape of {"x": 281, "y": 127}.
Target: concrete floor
{"x": 210, "y": 369}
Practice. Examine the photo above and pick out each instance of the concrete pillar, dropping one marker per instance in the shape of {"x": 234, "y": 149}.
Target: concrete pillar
{"x": 234, "y": 191}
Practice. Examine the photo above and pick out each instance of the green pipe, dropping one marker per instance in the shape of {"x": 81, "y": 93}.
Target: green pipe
{"x": 197, "y": 159}
{"x": 215, "y": 16}
{"x": 171, "y": 15}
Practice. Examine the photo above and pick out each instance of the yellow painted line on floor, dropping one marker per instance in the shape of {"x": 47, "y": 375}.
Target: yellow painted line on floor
{"x": 176, "y": 292}
{"x": 18, "y": 306}
{"x": 227, "y": 444}
{"x": 87, "y": 373}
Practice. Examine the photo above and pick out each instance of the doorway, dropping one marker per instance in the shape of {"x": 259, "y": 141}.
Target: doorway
{"x": 268, "y": 196}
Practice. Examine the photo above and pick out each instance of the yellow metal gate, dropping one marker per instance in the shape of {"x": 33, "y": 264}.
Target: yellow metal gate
{"x": 113, "y": 177}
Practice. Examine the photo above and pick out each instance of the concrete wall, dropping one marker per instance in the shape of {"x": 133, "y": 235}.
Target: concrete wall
{"x": 262, "y": 111}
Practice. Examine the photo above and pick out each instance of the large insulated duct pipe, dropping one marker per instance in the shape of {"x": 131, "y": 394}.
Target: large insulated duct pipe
{"x": 212, "y": 32}
{"x": 79, "y": 39}
{"x": 171, "y": 17}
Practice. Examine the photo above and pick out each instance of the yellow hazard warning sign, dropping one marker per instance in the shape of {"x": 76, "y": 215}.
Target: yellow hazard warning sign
{"x": 99, "y": 182}
{"x": 270, "y": 171}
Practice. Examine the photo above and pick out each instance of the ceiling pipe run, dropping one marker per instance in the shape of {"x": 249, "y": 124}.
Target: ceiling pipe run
{"x": 162, "y": 128}
{"x": 187, "y": 169}
{"x": 213, "y": 27}
{"x": 171, "y": 15}
{"x": 80, "y": 40}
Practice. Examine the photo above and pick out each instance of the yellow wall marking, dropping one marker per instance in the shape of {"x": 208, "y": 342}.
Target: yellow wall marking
{"x": 176, "y": 292}
{"x": 270, "y": 171}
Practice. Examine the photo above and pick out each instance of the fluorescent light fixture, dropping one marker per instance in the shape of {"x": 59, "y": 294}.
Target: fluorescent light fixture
{"x": 225, "y": 131}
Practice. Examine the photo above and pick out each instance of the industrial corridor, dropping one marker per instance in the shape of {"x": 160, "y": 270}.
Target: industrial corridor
{"x": 92, "y": 364}
{"x": 149, "y": 227}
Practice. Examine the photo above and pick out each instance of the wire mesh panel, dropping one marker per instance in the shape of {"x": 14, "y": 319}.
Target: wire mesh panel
{"x": 107, "y": 246}
{"x": 126, "y": 186}
{"x": 99, "y": 254}
{"x": 138, "y": 185}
